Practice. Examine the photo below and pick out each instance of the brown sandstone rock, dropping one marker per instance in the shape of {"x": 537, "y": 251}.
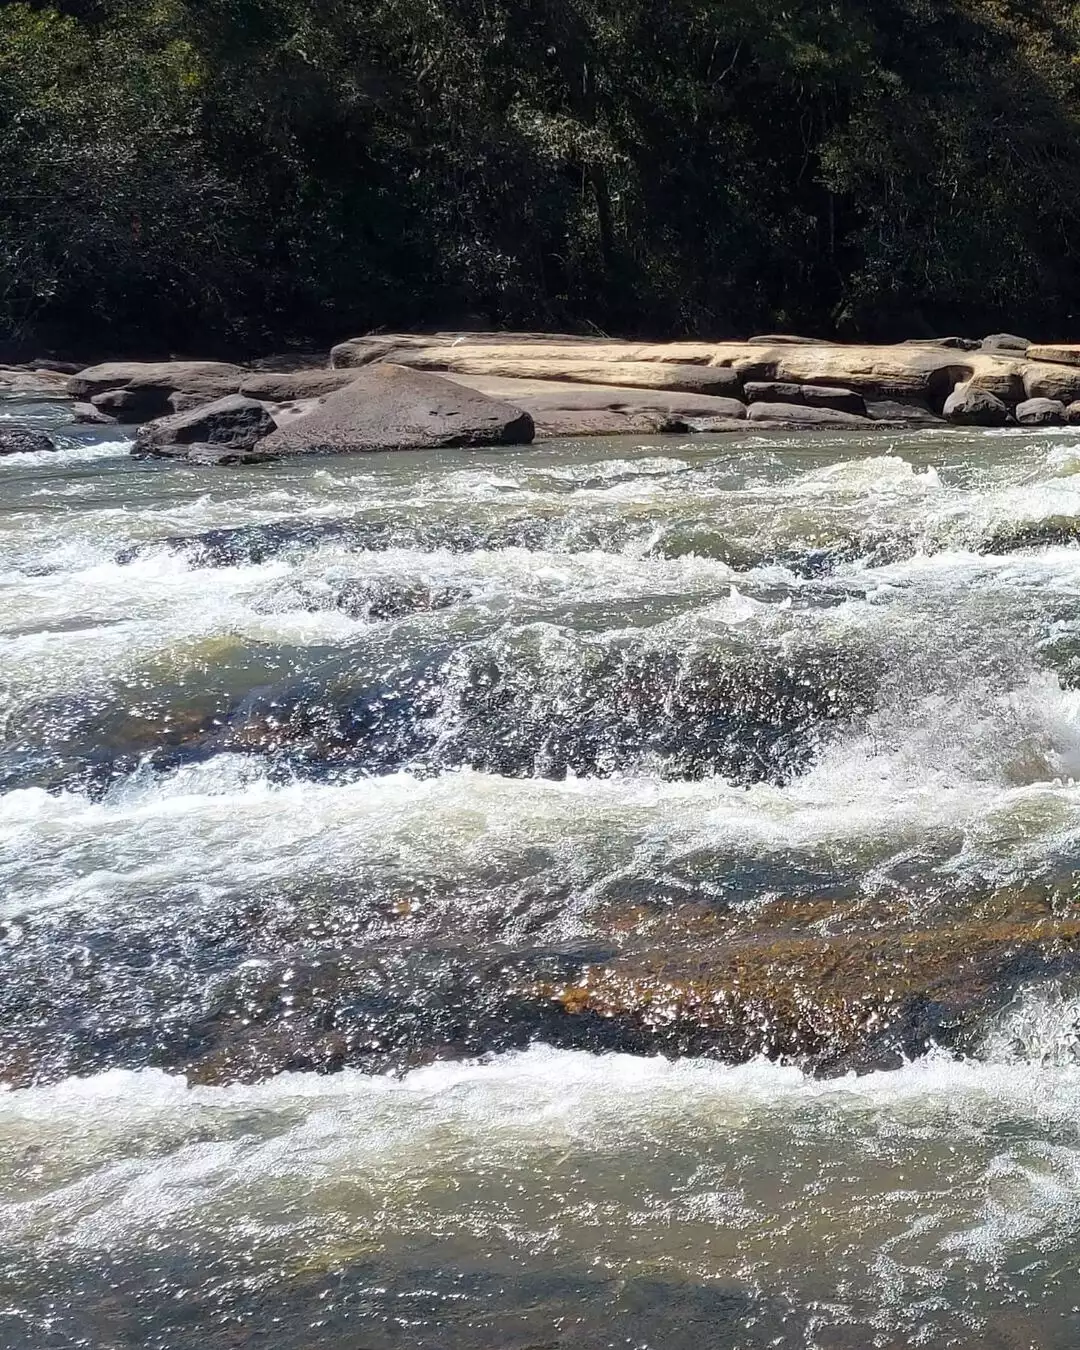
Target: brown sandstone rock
{"x": 1065, "y": 354}
{"x": 1049, "y": 381}
{"x": 1040, "y": 412}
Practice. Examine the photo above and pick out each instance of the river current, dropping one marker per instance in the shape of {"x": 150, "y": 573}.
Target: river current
{"x": 324, "y": 785}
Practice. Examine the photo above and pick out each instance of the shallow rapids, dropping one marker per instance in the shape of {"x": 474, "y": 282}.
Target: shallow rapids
{"x": 613, "y": 893}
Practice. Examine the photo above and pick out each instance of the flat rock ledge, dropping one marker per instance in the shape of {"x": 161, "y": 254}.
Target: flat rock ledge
{"x": 410, "y": 391}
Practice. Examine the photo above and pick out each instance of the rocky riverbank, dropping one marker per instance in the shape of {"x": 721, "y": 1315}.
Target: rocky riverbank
{"x": 402, "y": 391}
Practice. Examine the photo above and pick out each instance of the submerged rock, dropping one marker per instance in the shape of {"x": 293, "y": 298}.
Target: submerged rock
{"x": 24, "y": 441}
{"x": 235, "y": 421}
{"x": 387, "y": 407}
{"x": 210, "y": 455}
{"x": 369, "y": 598}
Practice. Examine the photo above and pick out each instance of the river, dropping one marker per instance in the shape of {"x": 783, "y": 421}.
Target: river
{"x": 346, "y": 807}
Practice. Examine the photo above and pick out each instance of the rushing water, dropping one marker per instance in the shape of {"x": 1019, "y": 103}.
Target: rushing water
{"x": 361, "y": 765}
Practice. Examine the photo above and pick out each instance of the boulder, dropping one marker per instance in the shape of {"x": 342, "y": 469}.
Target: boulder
{"x": 688, "y": 378}
{"x": 388, "y": 407}
{"x": 235, "y": 421}
{"x": 56, "y": 367}
{"x": 153, "y": 383}
{"x": 1005, "y": 342}
{"x": 560, "y": 408}
{"x": 1063, "y": 354}
{"x": 793, "y": 415}
{"x": 286, "y": 387}
{"x": 907, "y": 414}
{"x": 200, "y": 391}
{"x": 772, "y": 391}
{"x": 210, "y": 456}
{"x": 1005, "y": 383}
{"x": 1042, "y": 380}
{"x": 86, "y": 412}
{"x": 24, "y": 441}
{"x": 17, "y": 380}
{"x": 808, "y": 395}
{"x": 1040, "y": 412}
{"x": 122, "y": 405}
{"x": 1072, "y": 414}
{"x": 975, "y": 407}
{"x": 958, "y": 344}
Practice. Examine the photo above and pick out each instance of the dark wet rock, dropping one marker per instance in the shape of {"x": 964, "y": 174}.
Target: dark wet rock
{"x": 1006, "y": 343}
{"x": 797, "y": 416}
{"x": 961, "y": 344}
{"x": 971, "y": 407}
{"x": 388, "y": 407}
{"x": 772, "y": 391}
{"x": 1072, "y": 414}
{"x": 912, "y": 413}
{"x": 16, "y": 440}
{"x": 424, "y": 1293}
{"x": 1050, "y": 532}
{"x": 236, "y": 422}
{"x": 540, "y": 703}
{"x": 286, "y": 387}
{"x": 368, "y": 598}
{"x": 226, "y": 547}
{"x": 86, "y": 412}
{"x": 212, "y": 456}
{"x": 1040, "y": 412}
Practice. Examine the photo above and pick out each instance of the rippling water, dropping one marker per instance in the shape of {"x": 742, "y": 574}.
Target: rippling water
{"x": 615, "y": 893}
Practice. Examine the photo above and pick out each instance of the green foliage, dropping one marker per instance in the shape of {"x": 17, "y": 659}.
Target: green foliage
{"x": 198, "y": 174}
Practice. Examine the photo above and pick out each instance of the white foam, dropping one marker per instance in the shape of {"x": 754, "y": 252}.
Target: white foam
{"x": 67, "y": 454}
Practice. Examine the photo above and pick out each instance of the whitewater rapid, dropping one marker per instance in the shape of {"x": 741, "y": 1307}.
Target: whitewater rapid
{"x": 319, "y": 781}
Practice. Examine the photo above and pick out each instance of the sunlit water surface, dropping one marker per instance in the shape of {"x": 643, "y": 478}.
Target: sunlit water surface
{"x": 324, "y": 750}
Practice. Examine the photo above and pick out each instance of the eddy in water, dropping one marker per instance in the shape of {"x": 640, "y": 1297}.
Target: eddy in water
{"x": 617, "y": 892}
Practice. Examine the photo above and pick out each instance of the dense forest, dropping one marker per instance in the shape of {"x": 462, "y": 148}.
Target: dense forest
{"x": 225, "y": 175}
